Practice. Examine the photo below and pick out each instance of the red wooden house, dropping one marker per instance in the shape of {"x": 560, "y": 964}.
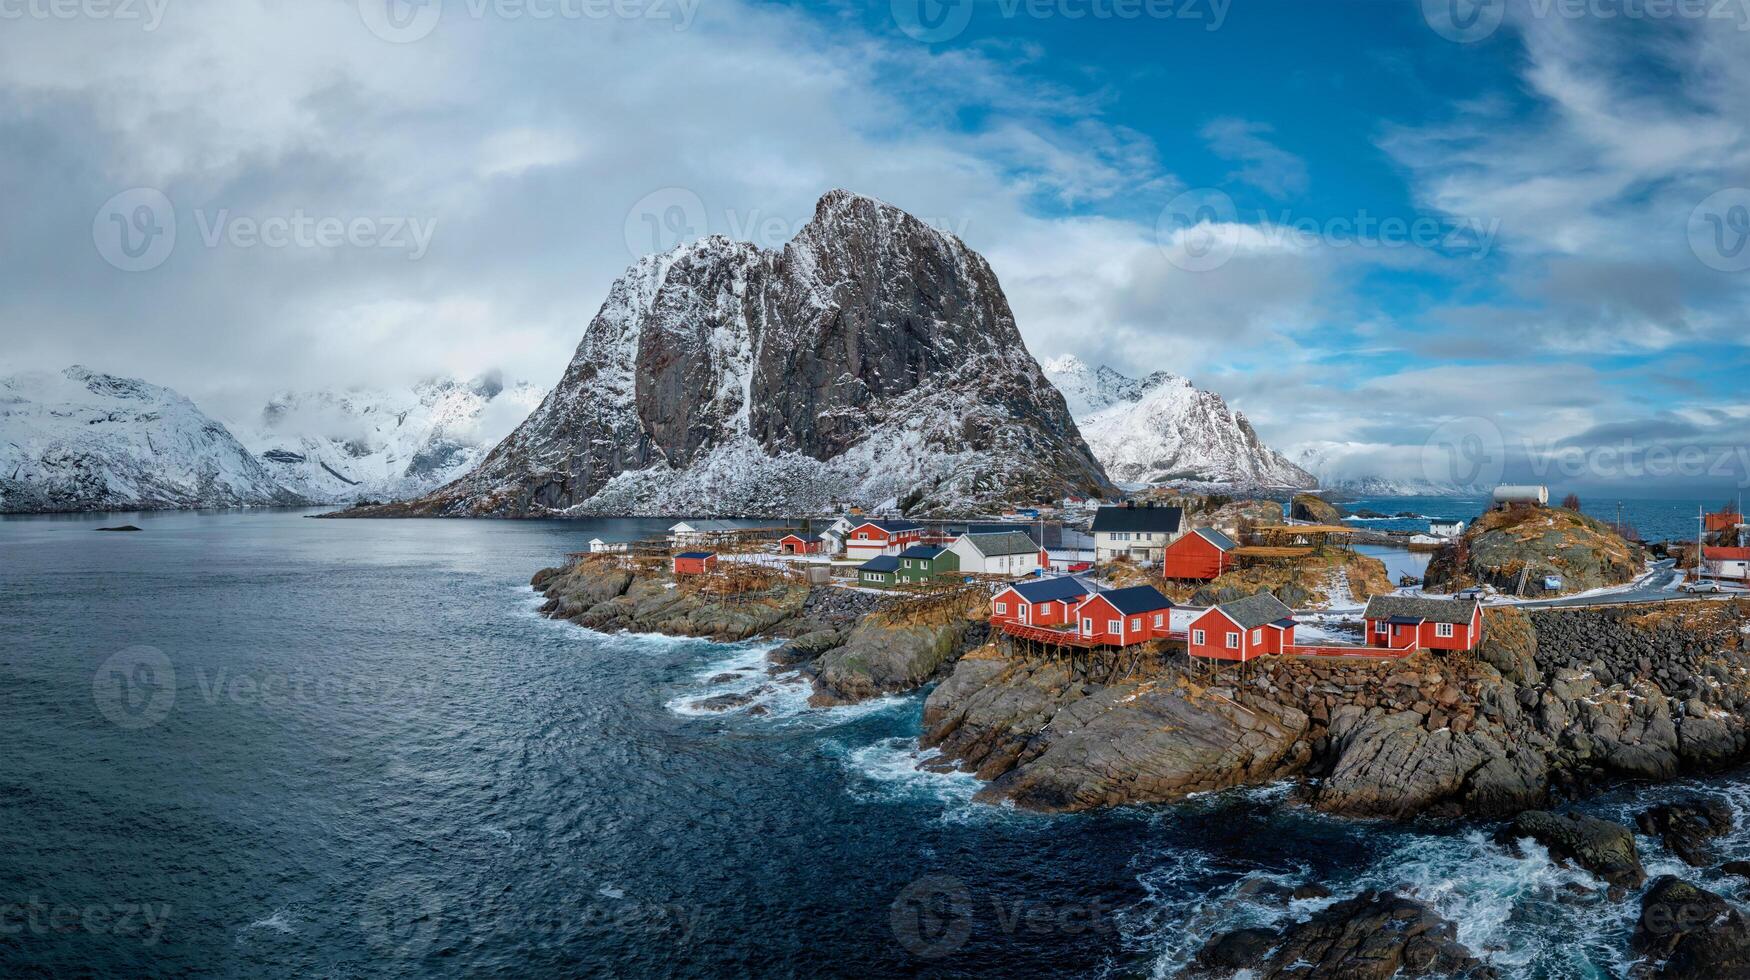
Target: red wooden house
{"x": 872, "y": 538}
{"x": 1411, "y": 623}
{"x": 1040, "y": 602}
{"x": 1723, "y": 521}
{"x": 1122, "y": 617}
{"x": 1203, "y": 554}
{"x": 1243, "y": 630}
{"x": 796, "y": 544}
{"x": 694, "y": 562}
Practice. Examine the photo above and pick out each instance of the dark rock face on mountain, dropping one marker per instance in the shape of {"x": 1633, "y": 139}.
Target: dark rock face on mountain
{"x": 872, "y": 359}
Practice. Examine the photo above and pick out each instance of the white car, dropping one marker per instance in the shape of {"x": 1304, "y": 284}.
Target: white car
{"x": 1697, "y": 588}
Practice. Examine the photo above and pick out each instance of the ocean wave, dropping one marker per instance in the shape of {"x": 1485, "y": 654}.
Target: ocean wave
{"x": 894, "y": 770}
{"x": 742, "y": 684}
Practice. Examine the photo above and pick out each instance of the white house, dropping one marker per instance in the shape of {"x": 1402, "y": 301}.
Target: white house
{"x": 1007, "y": 553}
{"x": 1446, "y": 529}
{"x": 1139, "y": 533}
{"x": 598, "y": 546}
{"x": 693, "y": 533}
{"x": 833, "y": 538}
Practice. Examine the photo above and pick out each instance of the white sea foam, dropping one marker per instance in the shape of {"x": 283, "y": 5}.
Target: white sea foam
{"x": 783, "y": 698}
{"x": 280, "y": 921}
{"x": 893, "y": 770}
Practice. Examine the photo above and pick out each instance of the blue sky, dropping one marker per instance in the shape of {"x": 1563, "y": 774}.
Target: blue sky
{"x": 1201, "y": 193}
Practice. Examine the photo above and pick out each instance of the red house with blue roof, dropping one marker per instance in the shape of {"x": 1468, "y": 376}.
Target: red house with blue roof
{"x": 694, "y": 562}
{"x": 1122, "y": 617}
{"x": 1040, "y": 602}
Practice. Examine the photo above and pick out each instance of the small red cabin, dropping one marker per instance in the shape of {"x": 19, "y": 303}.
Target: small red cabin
{"x": 796, "y": 544}
{"x": 1040, "y": 602}
{"x": 694, "y": 562}
{"x": 1202, "y": 555}
{"x": 1125, "y": 616}
{"x": 1723, "y": 521}
{"x": 1243, "y": 630}
{"x": 1410, "y": 623}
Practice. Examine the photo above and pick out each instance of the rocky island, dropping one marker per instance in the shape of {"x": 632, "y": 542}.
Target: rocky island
{"x": 1555, "y": 705}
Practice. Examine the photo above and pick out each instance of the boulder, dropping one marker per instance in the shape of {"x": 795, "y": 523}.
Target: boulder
{"x": 1691, "y": 933}
{"x": 878, "y": 658}
{"x": 1311, "y": 507}
{"x": 1687, "y": 825}
{"x": 1372, "y": 936}
{"x": 1604, "y": 848}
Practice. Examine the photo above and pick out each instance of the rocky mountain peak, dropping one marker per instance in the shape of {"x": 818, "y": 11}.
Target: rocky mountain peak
{"x": 872, "y": 359}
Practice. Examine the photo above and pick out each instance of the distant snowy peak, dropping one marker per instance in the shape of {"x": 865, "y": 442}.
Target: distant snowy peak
{"x": 871, "y": 360}
{"x": 340, "y": 446}
{"x": 81, "y": 440}
{"x": 1345, "y": 468}
{"x": 1162, "y": 429}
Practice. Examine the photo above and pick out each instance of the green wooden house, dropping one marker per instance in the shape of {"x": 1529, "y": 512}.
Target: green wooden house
{"x": 881, "y": 571}
{"x": 922, "y": 562}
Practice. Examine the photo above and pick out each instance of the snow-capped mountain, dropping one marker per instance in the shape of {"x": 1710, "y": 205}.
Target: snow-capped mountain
{"x": 1163, "y": 429}
{"x": 872, "y": 360}
{"x": 1344, "y": 468}
{"x": 381, "y": 445}
{"x": 84, "y": 441}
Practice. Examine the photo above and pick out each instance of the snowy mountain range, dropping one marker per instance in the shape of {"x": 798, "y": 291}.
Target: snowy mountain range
{"x": 84, "y": 441}
{"x": 872, "y": 359}
{"x": 380, "y": 445}
{"x": 1161, "y": 428}
{"x": 1346, "y": 469}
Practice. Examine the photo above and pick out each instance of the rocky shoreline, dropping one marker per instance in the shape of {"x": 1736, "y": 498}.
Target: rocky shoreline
{"x": 1555, "y": 706}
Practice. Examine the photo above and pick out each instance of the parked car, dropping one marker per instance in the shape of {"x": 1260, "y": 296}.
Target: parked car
{"x": 1697, "y": 588}
{"x": 1472, "y": 593}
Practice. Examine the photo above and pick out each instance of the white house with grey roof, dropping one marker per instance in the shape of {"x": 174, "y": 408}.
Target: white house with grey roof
{"x": 1139, "y": 532}
{"x": 1007, "y": 553}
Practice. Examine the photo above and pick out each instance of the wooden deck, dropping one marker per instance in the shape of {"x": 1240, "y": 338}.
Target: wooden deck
{"x": 1045, "y": 634}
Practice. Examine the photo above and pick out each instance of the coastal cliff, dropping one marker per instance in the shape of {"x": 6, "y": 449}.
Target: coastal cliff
{"x": 1556, "y": 704}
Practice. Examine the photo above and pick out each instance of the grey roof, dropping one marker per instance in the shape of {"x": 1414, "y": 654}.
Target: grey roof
{"x": 1156, "y": 519}
{"x": 1262, "y": 609}
{"x": 1006, "y": 543}
{"x": 710, "y": 525}
{"x": 880, "y": 563}
{"x": 1457, "y": 611}
{"x": 1031, "y": 530}
{"x": 1215, "y": 537}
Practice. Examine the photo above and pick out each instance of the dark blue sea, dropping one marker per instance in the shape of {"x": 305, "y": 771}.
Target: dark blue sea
{"x": 1665, "y": 519}
{"x": 255, "y": 744}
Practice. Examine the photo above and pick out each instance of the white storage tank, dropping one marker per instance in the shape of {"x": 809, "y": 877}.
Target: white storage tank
{"x": 1522, "y": 495}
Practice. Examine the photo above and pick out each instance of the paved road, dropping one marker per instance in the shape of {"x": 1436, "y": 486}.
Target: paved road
{"x": 1660, "y": 585}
